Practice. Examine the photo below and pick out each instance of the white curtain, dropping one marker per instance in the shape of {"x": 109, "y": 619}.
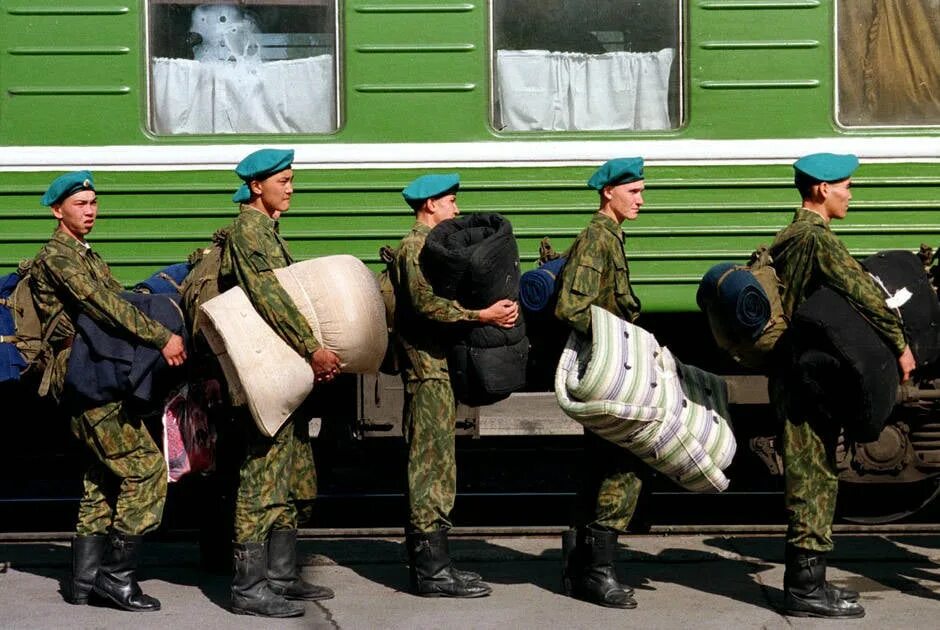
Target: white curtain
{"x": 289, "y": 96}
{"x": 566, "y": 91}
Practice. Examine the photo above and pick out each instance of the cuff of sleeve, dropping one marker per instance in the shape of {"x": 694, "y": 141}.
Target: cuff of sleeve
{"x": 311, "y": 346}
{"x": 163, "y": 337}
{"x": 473, "y": 315}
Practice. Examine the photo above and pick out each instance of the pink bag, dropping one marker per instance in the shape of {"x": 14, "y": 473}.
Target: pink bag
{"x": 188, "y": 436}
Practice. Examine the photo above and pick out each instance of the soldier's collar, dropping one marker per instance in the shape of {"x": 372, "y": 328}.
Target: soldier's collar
{"x": 609, "y": 224}
{"x": 71, "y": 242}
{"x": 256, "y": 216}
{"x": 810, "y": 217}
{"x": 421, "y": 228}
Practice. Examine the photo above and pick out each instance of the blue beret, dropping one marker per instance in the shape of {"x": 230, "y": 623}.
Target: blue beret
{"x": 66, "y": 185}
{"x": 259, "y": 165}
{"x": 430, "y": 186}
{"x": 826, "y": 167}
{"x": 617, "y": 171}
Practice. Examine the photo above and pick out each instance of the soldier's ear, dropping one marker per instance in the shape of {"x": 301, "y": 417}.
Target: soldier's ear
{"x": 255, "y": 187}
{"x": 607, "y": 193}
{"x": 56, "y": 210}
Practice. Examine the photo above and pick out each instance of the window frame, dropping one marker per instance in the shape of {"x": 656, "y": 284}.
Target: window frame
{"x": 836, "y": 113}
{"x": 682, "y": 88}
{"x": 338, "y": 75}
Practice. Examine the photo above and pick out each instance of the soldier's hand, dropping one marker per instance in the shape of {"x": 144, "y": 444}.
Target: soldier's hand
{"x": 502, "y": 313}
{"x": 325, "y": 365}
{"x": 174, "y": 352}
{"x": 906, "y": 363}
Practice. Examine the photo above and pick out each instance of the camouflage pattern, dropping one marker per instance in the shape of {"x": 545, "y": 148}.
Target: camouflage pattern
{"x": 811, "y": 483}
{"x": 597, "y": 273}
{"x": 129, "y": 473}
{"x": 419, "y": 313}
{"x": 253, "y": 251}
{"x": 71, "y": 277}
{"x": 429, "y": 412}
{"x": 277, "y": 476}
{"x": 277, "y": 480}
{"x": 807, "y": 255}
{"x": 428, "y": 424}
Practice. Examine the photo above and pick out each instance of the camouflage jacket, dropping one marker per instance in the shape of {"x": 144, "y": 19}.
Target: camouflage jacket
{"x": 69, "y": 277}
{"x": 253, "y": 250}
{"x": 807, "y": 255}
{"x": 596, "y": 273}
{"x": 420, "y": 314}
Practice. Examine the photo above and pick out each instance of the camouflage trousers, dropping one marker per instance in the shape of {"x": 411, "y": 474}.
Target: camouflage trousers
{"x": 610, "y": 486}
{"x": 125, "y": 487}
{"x": 277, "y": 480}
{"x": 811, "y": 483}
{"x": 428, "y": 425}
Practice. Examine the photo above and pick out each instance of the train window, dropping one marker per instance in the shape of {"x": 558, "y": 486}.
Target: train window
{"x": 242, "y": 66}
{"x": 888, "y": 62}
{"x": 576, "y": 65}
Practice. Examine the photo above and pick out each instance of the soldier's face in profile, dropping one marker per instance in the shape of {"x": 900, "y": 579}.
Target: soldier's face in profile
{"x": 275, "y": 192}
{"x": 444, "y": 207}
{"x": 837, "y": 198}
{"x": 77, "y": 213}
{"x": 625, "y": 200}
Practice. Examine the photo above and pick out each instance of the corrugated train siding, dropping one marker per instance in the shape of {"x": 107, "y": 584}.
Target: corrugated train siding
{"x": 693, "y": 217}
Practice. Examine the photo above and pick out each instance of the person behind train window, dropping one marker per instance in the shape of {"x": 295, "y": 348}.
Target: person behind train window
{"x": 807, "y": 255}
{"x": 277, "y": 477}
{"x": 429, "y": 412}
{"x": 597, "y": 273}
{"x": 125, "y": 485}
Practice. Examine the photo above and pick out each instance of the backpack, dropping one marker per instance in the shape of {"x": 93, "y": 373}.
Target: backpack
{"x": 744, "y": 308}
{"x": 202, "y": 282}
{"x": 27, "y": 350}
{"x": 388, "y": 255}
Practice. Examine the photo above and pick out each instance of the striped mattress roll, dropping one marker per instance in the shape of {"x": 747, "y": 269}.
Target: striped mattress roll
{"x": 621, "y": 384}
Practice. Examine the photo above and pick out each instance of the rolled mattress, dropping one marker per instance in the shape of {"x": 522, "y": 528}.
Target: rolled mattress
{"x": 625, "y": 387}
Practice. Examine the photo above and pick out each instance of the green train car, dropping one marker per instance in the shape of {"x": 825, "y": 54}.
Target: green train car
{"x": 161, "y": 98}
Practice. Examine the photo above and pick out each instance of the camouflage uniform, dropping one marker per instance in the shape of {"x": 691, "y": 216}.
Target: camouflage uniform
{"x": 807, "y": 256}
{"x": 277, "y": 477}
{"x": 129, "y": 473}
{"x": 597, "y": 273}
{"x": 430, "y": 411}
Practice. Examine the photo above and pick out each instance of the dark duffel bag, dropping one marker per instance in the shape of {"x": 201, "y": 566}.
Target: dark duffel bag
{"x": 483, "y": 376}
{"x": 859, "y": 388}
{"x": 920, "y": 314}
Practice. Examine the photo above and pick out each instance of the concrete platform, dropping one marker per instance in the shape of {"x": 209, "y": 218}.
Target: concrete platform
{"x": 697, "y": 582}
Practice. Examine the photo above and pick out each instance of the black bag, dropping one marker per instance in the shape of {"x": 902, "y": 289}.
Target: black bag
{"x": 843, "y": 369}
{"x": 920, "y": 314}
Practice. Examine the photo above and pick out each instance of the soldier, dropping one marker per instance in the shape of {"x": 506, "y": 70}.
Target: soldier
{"x": 807, "y": 255}
{"x": 597, "y": 273}
{"x": 430, "y": 411}
{"x": 277, "y": 477}
{"x": 125, "y": 485}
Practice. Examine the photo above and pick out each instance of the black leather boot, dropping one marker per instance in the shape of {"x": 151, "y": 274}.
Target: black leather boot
{"x": 283, "y": 573}
{"x": 116, "y": 581}
{"x": 596, "y": 582}
{"x": 431, "y": 572}
{"x": 572, "y": 563}
{"x": 251, "y": 594}
{"x": 806, "y": 592}
{"x": 87, "y": 552}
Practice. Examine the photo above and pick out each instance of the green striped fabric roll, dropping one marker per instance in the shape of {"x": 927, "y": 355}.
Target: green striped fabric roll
{"x": 621, "y": 384}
